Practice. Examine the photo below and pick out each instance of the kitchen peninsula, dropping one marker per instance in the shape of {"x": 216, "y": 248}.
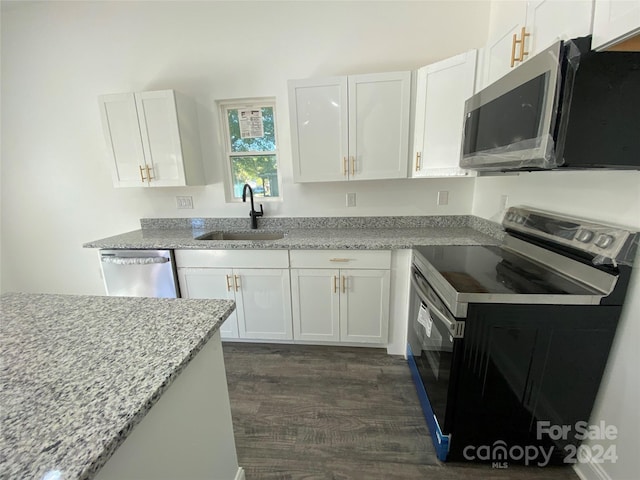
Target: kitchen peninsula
{"x": 114, "y": 387}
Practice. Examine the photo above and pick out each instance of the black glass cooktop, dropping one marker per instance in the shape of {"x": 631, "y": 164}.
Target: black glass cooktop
{"x": 492, "y": 270}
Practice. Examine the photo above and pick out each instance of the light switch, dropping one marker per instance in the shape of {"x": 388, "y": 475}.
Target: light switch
{"x": 443, "y": 197}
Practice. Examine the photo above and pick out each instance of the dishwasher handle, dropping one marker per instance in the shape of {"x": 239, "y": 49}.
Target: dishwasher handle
{"x": 133, "y": 260}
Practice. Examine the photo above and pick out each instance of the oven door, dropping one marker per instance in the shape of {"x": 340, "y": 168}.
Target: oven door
{"x": 434, "y": 338}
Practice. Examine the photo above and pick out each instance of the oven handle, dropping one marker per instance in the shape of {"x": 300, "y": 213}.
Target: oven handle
{"x": 456, "y": 328}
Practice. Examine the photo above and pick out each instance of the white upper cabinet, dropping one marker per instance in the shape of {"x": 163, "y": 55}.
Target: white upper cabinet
{"x": 442, "y": 89}
{"x": 520, "y": 29}
{"x": 350, "y": 128}
{"x": 379, "y": 106}
{"x": 319, "y": 129}
{"x": 152, "y": 139}
{"x": 551, "y": 20}
{"x": 614, "y": 21}
{"x": 500, "y": 52}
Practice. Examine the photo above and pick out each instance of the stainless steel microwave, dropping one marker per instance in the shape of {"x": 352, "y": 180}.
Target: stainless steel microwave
{"x": 566, "y": 107}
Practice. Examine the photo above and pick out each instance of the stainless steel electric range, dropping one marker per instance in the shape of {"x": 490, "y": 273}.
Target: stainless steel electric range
{"x": 506, "y": 342}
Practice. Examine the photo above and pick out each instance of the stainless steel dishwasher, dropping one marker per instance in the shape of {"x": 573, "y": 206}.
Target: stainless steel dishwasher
{"x": 139, "y": 273}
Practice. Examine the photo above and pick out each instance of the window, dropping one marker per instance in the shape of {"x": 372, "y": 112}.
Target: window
{"x": 250, "y": 146}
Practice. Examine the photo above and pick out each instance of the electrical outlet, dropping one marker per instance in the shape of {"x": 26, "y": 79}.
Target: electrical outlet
{"x": 443, "y": 197}
{"x": 184, "y": 202}
{"x": 351, "y": 199}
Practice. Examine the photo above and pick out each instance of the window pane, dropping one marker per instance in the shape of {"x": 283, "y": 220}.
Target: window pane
{"x": 259, "y": 171}
{"x": 261, "y": 119}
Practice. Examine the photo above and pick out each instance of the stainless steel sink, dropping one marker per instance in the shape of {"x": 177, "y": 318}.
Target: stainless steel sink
{"x": 241, "y": 236}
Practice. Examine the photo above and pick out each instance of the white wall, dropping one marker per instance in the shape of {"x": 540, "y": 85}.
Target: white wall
{"x": 57, "y": 57}
{"x": 609, "y": 196}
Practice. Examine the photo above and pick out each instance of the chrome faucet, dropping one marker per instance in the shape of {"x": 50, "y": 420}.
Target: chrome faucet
{"x": 252, "y": 213}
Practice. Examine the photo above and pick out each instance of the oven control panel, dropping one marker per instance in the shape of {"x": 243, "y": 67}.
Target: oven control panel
{"x": 603, "y": 241}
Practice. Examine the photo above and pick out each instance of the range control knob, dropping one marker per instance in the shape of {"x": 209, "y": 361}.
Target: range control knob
{"x": 520, "y": 219}
{"x": 603, "y": 240}
{"x": 584, "y": 236}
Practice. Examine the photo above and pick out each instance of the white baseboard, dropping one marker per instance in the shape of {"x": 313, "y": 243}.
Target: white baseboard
{"x": 240, "y": 474}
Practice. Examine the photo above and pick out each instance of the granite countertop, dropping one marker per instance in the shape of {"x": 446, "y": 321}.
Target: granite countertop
{"x": 373, "y": 233}
{"x": 79, "y": 372}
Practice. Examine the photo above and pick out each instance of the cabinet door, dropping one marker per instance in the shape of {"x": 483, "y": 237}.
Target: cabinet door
{"x": 507, "y": 19}
{"x": 316, "y": 304}
{"x": 210, "y": 283}
{"x": 614, "y": 21}
{"x": 443, "y": 88}
{"x": 318, "y": 115}
{"x": 379, "y": 125}
{"x": 364, "y": 306}
{"x": 263, "y": 301}
{"x": 122, "y": 138}
{"x": 161, "y": 137}
{"x": 551, "y": 20}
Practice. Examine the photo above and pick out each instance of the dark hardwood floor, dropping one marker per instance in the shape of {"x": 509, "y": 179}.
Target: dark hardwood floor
{"x": 311, "y": 412}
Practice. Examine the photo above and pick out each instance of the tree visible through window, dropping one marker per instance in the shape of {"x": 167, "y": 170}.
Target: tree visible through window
{"x": 251, "y": 147}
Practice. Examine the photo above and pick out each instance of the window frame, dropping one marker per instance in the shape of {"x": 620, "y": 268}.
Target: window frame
{"x": 246, "y": 103}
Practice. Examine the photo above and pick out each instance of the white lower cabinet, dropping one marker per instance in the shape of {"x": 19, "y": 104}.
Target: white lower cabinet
{"x": 340, "y": 304}
{"x": 262, "y": 294}
{"x": 315, "y": 299}
{"x": 210, "y": 283}
{"x": 328, "y": 296}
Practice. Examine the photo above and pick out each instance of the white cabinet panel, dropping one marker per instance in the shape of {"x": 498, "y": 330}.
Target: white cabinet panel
{"x": 497, "y": 53}
{"x": 364, "y": 306}
{"x": 210, "y": 283}
{"x": 160, "y": 137}
{"x": 315, "y": 298}
{"x": 319, "y": 129}
{"x": 152, "y": 139}
{"x": 233, "y": 258}
{"x": 350, "y": 128}
{"x": 442, "y": 89}
{"x": 614, "y": 21}
{"x": 347, "y": 304}
{"x": 544, "y": 22}
{"x": 551, "y": 20}
{"x": 379, "y": 125}
{"x": 263, "y": 297}
{"x": 122, "y": 135}
{"x": 380, "y": 259}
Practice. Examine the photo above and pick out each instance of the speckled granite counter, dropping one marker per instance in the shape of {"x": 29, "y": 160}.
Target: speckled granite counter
{"x": 374, "y": 233}
{"x": 79, "y": 372}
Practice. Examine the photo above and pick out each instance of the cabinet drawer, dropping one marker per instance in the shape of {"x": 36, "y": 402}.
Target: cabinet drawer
{"x": 233, "y": 258}
{"x": 380, "y": 259}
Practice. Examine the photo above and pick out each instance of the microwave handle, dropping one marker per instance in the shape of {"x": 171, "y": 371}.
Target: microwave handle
{"x": 455, "y": 328}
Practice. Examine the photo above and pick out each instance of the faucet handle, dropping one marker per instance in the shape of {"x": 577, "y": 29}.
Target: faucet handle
{"x": 260, "y": 213}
